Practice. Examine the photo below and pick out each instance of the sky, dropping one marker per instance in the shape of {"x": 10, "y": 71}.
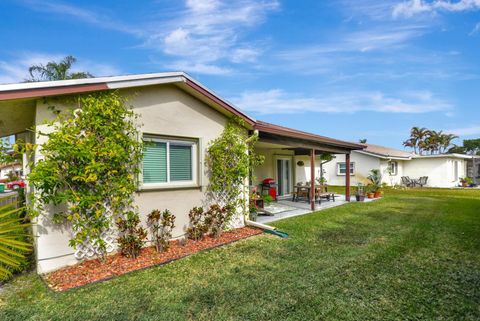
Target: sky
{"x": 348, "y": 69}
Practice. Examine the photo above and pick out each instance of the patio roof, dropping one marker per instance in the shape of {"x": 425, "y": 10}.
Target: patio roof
{"x": 302, "y": 142}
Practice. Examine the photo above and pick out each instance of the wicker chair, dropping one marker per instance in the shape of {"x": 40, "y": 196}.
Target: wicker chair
{"x": 407, "y": 181}
{"x": 422, "y": 181}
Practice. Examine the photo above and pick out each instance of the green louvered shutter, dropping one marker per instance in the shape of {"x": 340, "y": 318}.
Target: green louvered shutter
{"x": 180, "y": 162}
{"x": 155, "y": 163}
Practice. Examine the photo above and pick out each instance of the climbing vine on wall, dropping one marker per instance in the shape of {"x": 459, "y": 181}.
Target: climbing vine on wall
{"x": 89, "y": 166}
{"x": 230, "y": 160}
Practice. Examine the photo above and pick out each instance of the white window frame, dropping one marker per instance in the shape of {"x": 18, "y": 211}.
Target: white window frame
{"x": 343, "y": 174}
{"x": 175, "y": 184}
{"x": 393, "y": 172}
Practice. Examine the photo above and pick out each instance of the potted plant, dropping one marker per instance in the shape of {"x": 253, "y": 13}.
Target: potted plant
{"x": 253, "y": 213}
{"x": 466, "y": 181}
{"x": 360, "y": 193}
{"x": 369, "y": 191}
{"x": 376, "y": 178}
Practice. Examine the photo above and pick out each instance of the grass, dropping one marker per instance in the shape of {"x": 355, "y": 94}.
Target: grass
{"x": 414, "y": 255}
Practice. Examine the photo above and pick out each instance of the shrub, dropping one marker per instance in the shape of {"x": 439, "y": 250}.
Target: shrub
{"x": 90, "y": 164}
{"x": 161, "y": 225}
{"x": 13, "y": 240}
{"x": 217, "y": 218}
{"x": 197, "y": 227}
{"x": 132, "y": 234}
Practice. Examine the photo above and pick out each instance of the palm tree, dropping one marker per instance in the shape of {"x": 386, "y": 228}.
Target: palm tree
{"x": 418, "y": 134}
{"x": 412, "y": 143}
{"x": 12, "y": 239}
{"x": 446, "y": 141}
{"x": 362, "y": 141}
{"x": 56, "y": 71}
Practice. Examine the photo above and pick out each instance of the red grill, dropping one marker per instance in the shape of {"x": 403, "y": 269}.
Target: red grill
{"x": 269, "y": 187}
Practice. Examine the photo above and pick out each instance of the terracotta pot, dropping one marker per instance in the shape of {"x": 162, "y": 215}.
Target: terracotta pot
{"x": 377, "y": 194}
{"x": 370, "y": 195}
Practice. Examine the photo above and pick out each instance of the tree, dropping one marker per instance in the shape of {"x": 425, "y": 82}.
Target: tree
{"x": 56, "y": 71}
{"x": 425, "y": 140}
{"x": 362, "y": 141}
{"x": 472, "y": 146}
{"x": 90, "y": 165}
{"x": 446, "y": 142}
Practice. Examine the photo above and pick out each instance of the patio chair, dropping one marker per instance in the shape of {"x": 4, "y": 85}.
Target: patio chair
{"x": 407, "y": 181}
{"x": 422, "y": 181}
{"x": 301, "y": 193}
{"x": 322, "y": 192}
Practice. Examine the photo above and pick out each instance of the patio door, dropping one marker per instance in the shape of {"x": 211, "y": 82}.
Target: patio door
{"x": 284, "y": 176}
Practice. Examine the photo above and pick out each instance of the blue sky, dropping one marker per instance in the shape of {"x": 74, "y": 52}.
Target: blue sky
{"x": 348, "y": 69}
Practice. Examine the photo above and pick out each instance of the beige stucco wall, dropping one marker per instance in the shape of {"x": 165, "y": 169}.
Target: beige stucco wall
{"x": 269, "y": 168}
{"x": 166, "y": 111}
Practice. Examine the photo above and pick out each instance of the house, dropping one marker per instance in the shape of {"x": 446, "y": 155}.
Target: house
{"x": 15, "y": 169}
{"x": 443, "y": 170}
{"x": 175, "y": 110}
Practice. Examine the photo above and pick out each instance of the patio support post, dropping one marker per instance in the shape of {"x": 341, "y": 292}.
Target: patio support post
{"x": 347, "y": 177}
{"x": 312, "y": 179}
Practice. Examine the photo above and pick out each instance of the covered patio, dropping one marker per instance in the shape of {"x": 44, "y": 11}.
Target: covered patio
{"x": 292, "y": 158}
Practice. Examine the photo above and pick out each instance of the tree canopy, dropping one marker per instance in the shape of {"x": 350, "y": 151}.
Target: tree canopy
{"x": 424, "y": 140}
{"x": 56, "y": 71}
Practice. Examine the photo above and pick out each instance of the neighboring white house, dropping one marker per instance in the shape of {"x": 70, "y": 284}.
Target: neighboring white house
{"x": 16, "y": 168}
{"x": 182, "y": 117}
{"x": 444, "y": 170}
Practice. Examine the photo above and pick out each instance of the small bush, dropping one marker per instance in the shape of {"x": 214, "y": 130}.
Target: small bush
{"x": 217, "y": 218}
{"x": 132, "y": 234}
{"x": 161, "y": 225}
{"x": 197, "y": 227}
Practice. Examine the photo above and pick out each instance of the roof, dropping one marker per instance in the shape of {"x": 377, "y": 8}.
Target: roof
{"x": 32, "y": 90}
{"x": 461, "y": 156}
{"x": 290, "y": 132}
{"x": 84, "y": 85}
{"x": 385, "y": 152}
{"x": 391, "y": 153}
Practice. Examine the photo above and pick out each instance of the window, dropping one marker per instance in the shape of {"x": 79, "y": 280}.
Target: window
{"x": 393, "y": 168}
{"x": 169, "y": 162}
{"x": 455, "y": 170}
{"x": 341, "y": 168}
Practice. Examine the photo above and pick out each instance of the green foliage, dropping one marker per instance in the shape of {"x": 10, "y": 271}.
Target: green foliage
{"x": 56, "y": 71}
{"x": 376, "y": 178}
{"x": 230, "y": 159}
{"x": 425, "y": 140}
{"x": 472, "y": 146}
{"x": 466, "y": 180}
{"x": 197, "y": 227}
{"x": 90, "y": 165}
{"x": 267, "y": 199}
{"x": 161, "y": 225}
{"x": 132, "y": 234}
{"x": 13, "y": 236}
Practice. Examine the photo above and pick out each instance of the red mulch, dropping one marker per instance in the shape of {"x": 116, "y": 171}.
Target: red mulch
{"x": 95, "y": 270}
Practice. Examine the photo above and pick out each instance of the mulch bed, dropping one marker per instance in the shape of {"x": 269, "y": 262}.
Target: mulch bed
{"x": 95, "y": 270}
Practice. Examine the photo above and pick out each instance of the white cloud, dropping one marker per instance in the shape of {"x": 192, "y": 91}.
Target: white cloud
{"x": 209, "y": 32}
{"x": 414, "y": 7}
{"x": 16, "y": 70}
{"x": 89, "y": 16}
{"x": 277, "y": 101}
{"x": 465, "y": 131}
{"x": 475, "y": 29}
{"x": 201, "y": 68}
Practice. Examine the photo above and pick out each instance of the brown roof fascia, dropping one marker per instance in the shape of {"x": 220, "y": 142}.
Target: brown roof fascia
{"x": 289, "y": 132}
{"x": 51, "y": 91}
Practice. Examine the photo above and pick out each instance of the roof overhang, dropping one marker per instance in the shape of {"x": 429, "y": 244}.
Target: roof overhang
{"x": 303, "y": 142}
{"x": 386, "y": 157}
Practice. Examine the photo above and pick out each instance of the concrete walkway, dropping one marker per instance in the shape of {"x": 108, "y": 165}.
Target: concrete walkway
{"x": 286, "y": 208}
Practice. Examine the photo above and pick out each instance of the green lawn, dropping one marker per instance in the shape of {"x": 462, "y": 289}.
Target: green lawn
{"x": 415, "y": 255}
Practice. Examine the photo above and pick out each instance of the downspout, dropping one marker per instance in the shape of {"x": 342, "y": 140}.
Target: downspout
{"x": 267, "y": 228}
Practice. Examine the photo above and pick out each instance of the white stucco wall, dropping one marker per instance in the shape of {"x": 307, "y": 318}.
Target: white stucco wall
{"x": 166, "y": 111}
{"x": 363, "y": 165}
{"x": 440, "y": 171}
